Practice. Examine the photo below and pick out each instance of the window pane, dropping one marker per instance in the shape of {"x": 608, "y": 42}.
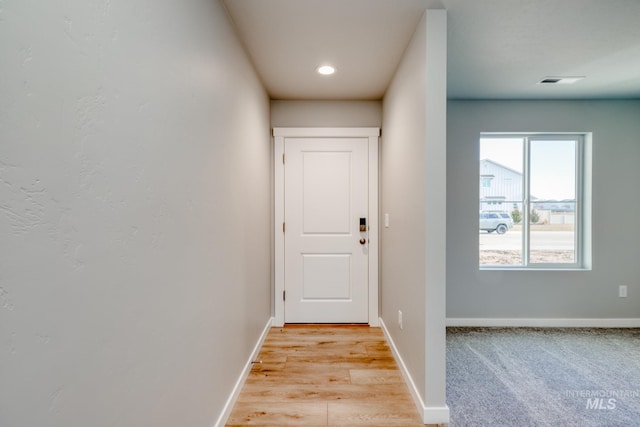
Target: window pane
{"x": 552, "y": 218}
{"x": 501, "y": 197}
{"x": 501, "y": 249}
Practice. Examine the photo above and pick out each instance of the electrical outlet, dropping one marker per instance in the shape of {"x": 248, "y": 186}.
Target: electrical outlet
{"x": 400, "y": 319}
{"x": 622, "y": 291}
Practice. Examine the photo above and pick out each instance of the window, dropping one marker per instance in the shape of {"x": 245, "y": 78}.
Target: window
{"x": 540, "y": 219}
{"x": 485, "y": 181}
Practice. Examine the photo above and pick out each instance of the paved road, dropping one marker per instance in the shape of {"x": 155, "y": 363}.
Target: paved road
{"x": 512, "y": 239}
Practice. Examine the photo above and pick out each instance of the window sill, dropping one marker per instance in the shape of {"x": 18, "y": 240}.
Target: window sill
{"x": 497, "y": 268}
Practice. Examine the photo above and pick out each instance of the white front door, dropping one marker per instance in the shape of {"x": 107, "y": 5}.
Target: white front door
{"x": 326, "y": 253}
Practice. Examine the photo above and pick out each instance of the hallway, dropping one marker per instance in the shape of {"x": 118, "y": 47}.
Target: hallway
{"x": 325, "y": 375}
{"x": 137, "y": 217}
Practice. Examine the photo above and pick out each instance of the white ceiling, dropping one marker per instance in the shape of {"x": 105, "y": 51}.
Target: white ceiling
{"x": 497, "y": 49}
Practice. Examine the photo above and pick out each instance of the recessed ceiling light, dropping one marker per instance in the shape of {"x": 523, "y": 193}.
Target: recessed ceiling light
{"x": 561, "y": 80}
{"x": 326, "y": 70}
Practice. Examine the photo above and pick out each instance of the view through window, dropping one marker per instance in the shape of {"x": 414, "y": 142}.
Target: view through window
{"x": 530, "y": 204}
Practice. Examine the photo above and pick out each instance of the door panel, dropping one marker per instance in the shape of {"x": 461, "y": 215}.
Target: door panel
{"x": 326, "y": 266}
{"x": 326, "y": 207}
{"x": 326, "y": 277}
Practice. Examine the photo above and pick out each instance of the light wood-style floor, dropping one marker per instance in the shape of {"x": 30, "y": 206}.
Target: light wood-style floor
{"x": 317, "y": 375}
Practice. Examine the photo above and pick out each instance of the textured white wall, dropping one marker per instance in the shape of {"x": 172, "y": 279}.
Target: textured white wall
{"x": 134, "y": 212}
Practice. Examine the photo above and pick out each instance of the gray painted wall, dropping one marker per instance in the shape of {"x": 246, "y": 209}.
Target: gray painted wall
{"x": 134, "y": 163}
{"x": 402, "y": 196}
{"x": 413, "y": 194}
{"x": 326, "y": 113}
{"x": 436, "y": 217}
{"x": 615, "y": 235}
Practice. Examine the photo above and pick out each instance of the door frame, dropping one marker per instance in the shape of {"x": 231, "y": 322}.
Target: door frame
{"x": 279, "y": 136}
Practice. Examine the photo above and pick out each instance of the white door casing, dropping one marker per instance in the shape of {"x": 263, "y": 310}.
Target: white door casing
{"x": 331, "y": 181}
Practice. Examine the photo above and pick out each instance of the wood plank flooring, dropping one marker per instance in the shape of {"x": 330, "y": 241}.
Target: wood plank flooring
{"x": 325, "y": 375}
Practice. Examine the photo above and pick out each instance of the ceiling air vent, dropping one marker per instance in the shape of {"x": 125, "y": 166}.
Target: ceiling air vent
{"x": 561, "y": 80}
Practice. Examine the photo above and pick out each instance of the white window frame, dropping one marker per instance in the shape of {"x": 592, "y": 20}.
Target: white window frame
{"x": 582, "y": 231}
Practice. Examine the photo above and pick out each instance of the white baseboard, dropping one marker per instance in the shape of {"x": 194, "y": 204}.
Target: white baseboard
{"x": 430, "y": 414}
{"x": 544, "y": 322}
{"x": 231, "y": 401}
{"x": 436, "y": 415}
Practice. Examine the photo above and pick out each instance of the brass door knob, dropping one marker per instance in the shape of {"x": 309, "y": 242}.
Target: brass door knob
{"x": 363, "y": 241}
